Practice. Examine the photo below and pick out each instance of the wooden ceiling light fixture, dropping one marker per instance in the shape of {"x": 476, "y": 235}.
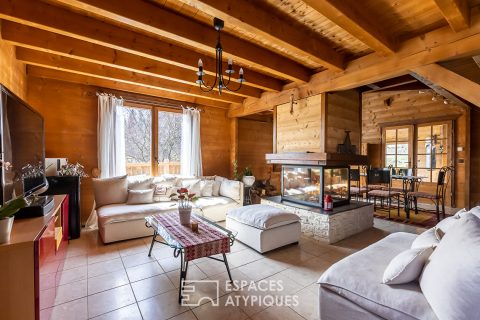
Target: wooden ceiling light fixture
{"x": 219, "y": 81}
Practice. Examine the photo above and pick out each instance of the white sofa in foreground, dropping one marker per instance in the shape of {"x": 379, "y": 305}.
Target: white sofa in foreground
{"x": 122, "y": 203}
{"x": 446, "y": 287}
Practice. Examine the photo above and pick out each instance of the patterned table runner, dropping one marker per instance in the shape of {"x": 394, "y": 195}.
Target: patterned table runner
{"x": 207, "y": 242}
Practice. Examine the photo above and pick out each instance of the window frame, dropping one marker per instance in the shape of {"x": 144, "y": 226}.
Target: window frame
{"x": 410, "y": 143}
{"x": 154, "y": 130}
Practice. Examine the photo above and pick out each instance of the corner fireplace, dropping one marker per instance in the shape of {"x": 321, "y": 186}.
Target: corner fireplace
{"x": 308, "y": 185}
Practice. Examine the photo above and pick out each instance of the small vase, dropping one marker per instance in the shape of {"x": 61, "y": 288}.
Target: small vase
{"x": 185, "y": 214}
{"x": 248, "y": 181}
{"x": 6, "y": 225}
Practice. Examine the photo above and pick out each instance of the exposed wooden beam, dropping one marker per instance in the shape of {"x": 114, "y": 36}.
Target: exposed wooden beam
{"x": 434, "y": 46}
{"x": 146, "y": 16}
{"x": 456, "y": 12}
{"x": 477, "y": 60}
{"x": 58, "y": 62}
{"x": 350, "y": 16}
{"x": 259, "y": 20}
{"x": 41, "y": 72}
{"x": 450, "y": 81}
{"x": 64, "y": 22}
{"x": 45, "y": 41}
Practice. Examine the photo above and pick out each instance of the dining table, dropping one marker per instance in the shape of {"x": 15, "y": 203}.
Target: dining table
{"x": 410, "y": 183}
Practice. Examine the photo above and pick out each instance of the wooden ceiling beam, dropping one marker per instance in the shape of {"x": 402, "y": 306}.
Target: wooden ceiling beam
{"x": 438, "y": 45}
{"x": 54, "y": 19}
{"x": 58, "y": 62}
{"x": 28, "y": 37}
{"x": 456, "y": 12}
{"x": 259, "y": 20}
{"x": 350, "y": 16}
{"x": 46, "y": 73}
{"x": 146, "y": 16}
{"x": 451, "y": 81}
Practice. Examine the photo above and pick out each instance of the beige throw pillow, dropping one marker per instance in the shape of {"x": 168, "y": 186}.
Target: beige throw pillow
{"x": 141, "y": 182}
{"x": 230, "y": 189}
{"x": 206, "y": 188}
{"x": 140, "y": 196}
{"x": 426, "y": 239}
{"x": 110, "y": 190}
{"x": 216, "y": 188}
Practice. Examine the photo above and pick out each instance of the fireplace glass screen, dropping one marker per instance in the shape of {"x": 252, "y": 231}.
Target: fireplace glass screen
{"x": 308, "y": 185}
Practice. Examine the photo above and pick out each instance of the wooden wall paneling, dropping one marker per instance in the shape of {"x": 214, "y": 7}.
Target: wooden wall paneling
{"x": 300, "y": 131}
{"x": 233, "y": 149}
{"x": 12, "y": 72}
{"x": 254, "y": 141}
{"x": 343, "y": 113}
{"x": 474, "y": 158}
{"x": 70, "y": 112}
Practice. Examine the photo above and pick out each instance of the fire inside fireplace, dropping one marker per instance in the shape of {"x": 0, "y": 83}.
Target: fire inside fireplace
{"x": 309, "y": 184}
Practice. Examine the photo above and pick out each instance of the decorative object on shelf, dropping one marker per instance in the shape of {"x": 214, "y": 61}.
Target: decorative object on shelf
{"x": 347, "y": 146}
{"x": 219, "y": 82}
{"x": 7, "y": 213}
{"x": 70, "y": 169}
{"x": 185, "y": 200}
{"x": 248, "y": 178}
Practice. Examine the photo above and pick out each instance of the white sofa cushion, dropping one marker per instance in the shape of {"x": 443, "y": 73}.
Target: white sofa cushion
{"x": 110, "y": 190}
{"x": 163, "y": 190}
{"x": 123, "y": 212}
{"x": 214, "y": 208}
{"x": 262, "y": 216}
{"x": 193, "y": 186}
{"x": 206, "y": 188}
{"x": 140, "y": 196}
{"x": 425, "y": 239}
{"x": 406, "y": 266}
{"x": 230, "y": 189}
{"x": 216, "y": 188}
{"x": 358, "y": 278}
{"x": 451, "y": 278}
{"x": 140, "y": 182}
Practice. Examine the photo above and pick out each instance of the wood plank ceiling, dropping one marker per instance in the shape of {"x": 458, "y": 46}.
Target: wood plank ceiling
{"x": 286, "y": 47}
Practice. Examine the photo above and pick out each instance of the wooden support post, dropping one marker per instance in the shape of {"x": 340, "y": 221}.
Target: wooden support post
{"x": 233, "y": 143}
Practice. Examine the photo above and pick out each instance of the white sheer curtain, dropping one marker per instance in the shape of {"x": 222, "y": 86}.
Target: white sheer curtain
{"x": 111, "y": 137}
{"x": 191, "y": 155}
{"x": 110, "y": 143}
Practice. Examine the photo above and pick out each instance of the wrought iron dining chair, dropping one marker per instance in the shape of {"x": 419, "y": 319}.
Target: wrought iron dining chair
{"x": 356, "y": 188}
{"x": 438, "y": 198}
{"x": 382, "y": 177}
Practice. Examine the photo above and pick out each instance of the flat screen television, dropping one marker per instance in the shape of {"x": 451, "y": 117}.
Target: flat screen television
{"x": 22, "y": 145}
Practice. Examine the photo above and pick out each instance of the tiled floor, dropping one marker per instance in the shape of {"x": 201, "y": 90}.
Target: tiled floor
{"x": 119, "y": 281}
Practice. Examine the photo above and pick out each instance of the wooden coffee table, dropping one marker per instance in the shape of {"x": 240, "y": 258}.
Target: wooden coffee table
{"x": 211, "y": 239}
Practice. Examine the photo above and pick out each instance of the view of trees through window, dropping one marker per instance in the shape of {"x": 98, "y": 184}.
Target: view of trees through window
{"x": 139, "y": 142}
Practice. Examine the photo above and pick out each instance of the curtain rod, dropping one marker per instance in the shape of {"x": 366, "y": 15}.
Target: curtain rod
{"x": 153, "y": 103}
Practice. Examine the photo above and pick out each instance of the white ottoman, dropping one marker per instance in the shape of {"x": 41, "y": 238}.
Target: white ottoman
{"x": 263, "y": 227}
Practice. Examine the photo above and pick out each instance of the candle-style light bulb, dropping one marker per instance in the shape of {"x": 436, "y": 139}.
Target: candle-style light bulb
{"x": 241, "y": 72}
{"x": 200, "y": 63}
{"x": 230, "y": 61}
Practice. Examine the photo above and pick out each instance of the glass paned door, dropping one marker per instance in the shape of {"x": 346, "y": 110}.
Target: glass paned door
{"x": 398, "y": 146}
{"x": 433, "y": 148}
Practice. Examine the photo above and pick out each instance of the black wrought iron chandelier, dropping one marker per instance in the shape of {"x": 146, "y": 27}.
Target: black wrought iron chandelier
{"x": 219, "y": 82}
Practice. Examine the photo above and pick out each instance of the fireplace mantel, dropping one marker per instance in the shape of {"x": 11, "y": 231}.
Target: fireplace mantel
{"x": 316, "y": 158}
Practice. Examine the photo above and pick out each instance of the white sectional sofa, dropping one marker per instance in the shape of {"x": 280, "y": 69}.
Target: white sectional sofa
{"x": 447, "y": 288}
{"x": 121, "y": 211}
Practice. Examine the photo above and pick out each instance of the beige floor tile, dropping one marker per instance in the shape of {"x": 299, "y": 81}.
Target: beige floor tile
{"x": 212, "y": 267}
{"x": 185, "y": 316}
{"x": 153, "y": 286}
{"x": 237, "y": 259}
{"x": 161, "y": 251}
{"x": 274, "y": 312}
{"x": 110, "y": 300}
{"x": 238, "y": 246}
{"x": 308, "y": 303}
{"x": 262, "y": 268}
{"x": 75, "y": 262}
{"x": 308, "y": 272}
{"x": 170, "y": 264}
{"x": 107, "y": 281}
{"x": 239, "y": 278}
{"x": 130, "y": 312}
{"x": 62, "y": 294}
{"x": 193, "y": 273}
{"x": 73, "y": 310}
{"x": 136, "y": 259}
{"x": 96, "y": 257}
{"x": 71, "y": 275}
{"x": 100, "y": 268}
{"x": 144, "y": 271}
{"x": 160, "y": 307}
{"x": 290, "y": 255}
{"x": 288, "y": 285}
{"x": 224, "y": 310}
{"x": 200, "y": 292}
{"x": 132, "y": 247}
